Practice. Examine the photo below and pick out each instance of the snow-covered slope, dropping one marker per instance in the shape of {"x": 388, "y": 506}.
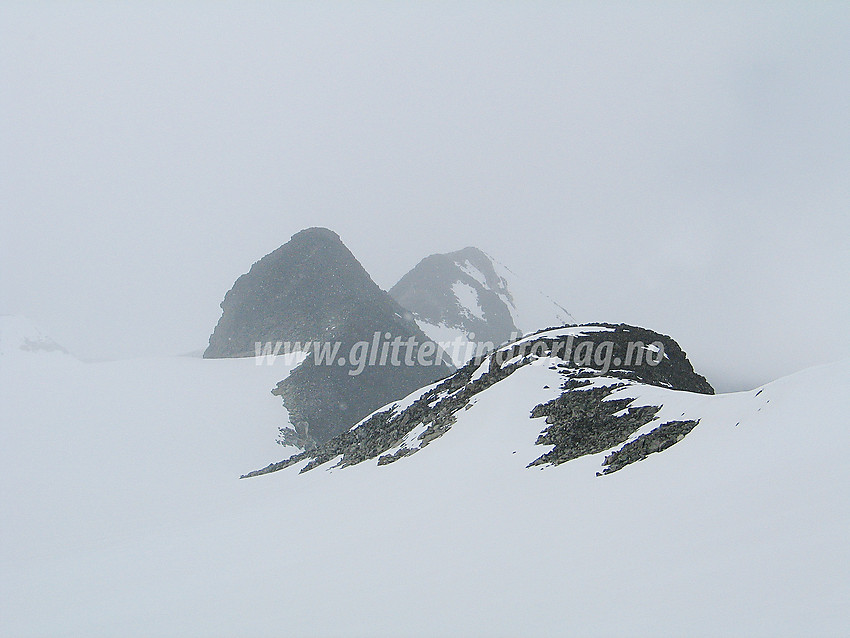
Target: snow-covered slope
{"x": 122, "y": 515}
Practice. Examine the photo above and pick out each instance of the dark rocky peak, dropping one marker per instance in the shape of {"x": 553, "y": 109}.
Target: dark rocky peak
{"x": 312, "y": 289}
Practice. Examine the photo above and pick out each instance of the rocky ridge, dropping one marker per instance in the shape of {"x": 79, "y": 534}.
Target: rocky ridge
{"x": 588, "y": 417}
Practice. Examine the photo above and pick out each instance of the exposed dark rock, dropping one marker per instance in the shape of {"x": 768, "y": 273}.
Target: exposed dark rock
{"x": 578, "y": 422}
{"x": 312, "y": 289}
{"x": 583, "y": 422}
{"x": 658, "y": 440}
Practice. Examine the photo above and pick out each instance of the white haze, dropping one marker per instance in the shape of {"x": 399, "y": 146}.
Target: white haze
{"x": 677, "y": 166}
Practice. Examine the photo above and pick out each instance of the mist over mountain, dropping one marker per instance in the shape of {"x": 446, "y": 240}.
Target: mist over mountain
{"x": 468, "y": 295}
{"x": 558, "y": 352}
{"x": 312, "y": 292}
{"x": 571, "y": 452}
{"x": 18, "y": 334}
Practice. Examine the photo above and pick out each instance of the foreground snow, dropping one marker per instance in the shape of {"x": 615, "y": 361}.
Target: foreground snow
{"x": 122, "y": 515}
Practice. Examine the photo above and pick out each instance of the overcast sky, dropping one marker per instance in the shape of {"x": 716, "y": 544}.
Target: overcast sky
{"x": 679, "y": 167}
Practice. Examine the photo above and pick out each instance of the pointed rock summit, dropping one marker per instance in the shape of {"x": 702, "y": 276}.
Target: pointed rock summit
{"x": 468, "y": 295}
{"x": 312, "y": 289}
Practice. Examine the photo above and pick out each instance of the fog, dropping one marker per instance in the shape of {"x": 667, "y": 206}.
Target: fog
{"x": 678, "y": 166}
